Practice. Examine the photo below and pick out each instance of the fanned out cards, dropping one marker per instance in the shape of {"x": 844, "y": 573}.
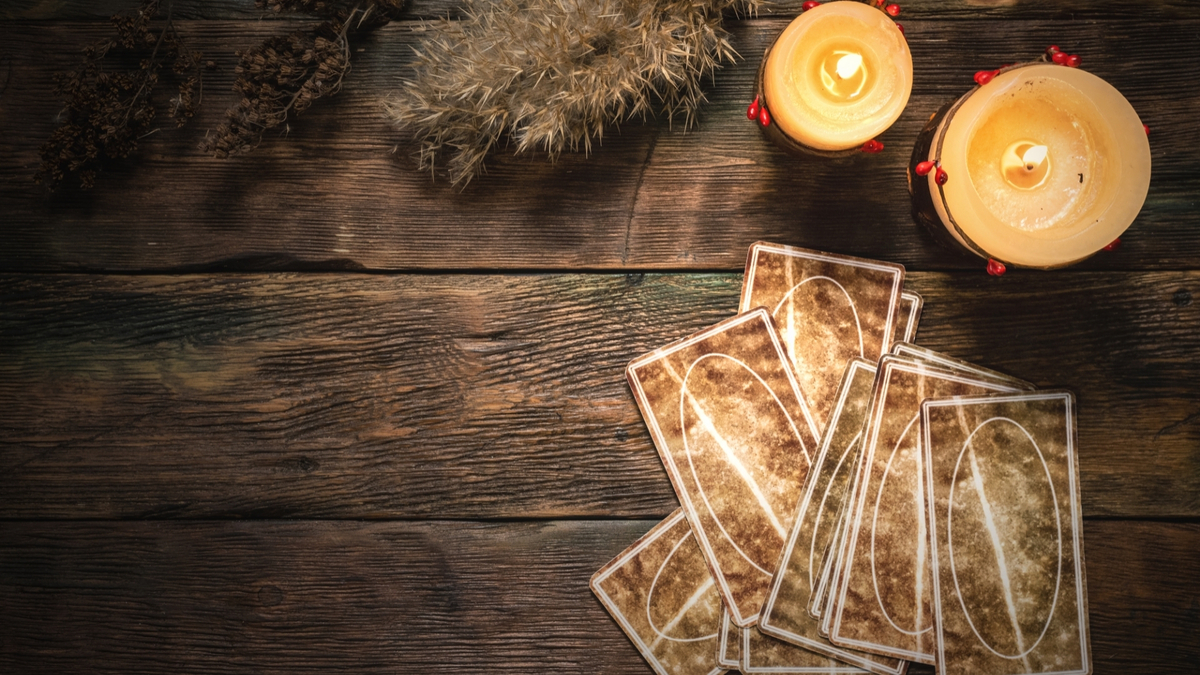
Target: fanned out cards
{"x": 851, "y": 502}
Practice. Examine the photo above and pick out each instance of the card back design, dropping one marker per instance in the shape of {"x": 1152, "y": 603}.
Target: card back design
{"x": 661, "y": 594}
{"x": 786, "y": 614}
{"x": 884, "y": 595}
{"x": 762, "y": 653}
{"x": 1002, "y": 481}
{"x": 829, "y": 308}
{"x": 824, "y": 601}
{"x": 733, "y": 430}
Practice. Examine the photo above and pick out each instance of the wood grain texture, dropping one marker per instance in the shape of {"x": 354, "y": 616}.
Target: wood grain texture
{"x": 371, "y": 396}
{"x": 66, "y": 10}
{"x": 434, "y": 597}
{"x": 340, "y": 191}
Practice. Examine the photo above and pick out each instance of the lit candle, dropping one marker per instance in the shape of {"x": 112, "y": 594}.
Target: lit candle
{"x": 838, "y": 76}
{"x": 1042, "y": 165}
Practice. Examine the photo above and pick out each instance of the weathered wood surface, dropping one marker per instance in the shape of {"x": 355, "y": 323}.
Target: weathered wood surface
{"x": 65, "y": 10}
{"x": 340, "y": 191}
{"x": 370, "y": 396}
{"x": 435, "y": 597}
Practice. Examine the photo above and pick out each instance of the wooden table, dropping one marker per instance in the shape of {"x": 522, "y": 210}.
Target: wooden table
{"x": 306, "y": 410}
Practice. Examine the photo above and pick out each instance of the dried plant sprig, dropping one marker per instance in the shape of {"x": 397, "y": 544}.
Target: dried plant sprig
{"x": 285, "y": 75}
{"x": 551, "y": 74}
{"x": 108, "y": 109}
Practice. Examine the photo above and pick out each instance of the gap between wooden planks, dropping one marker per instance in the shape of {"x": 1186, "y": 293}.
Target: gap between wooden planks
{"x": 499, "y": 396}
{"x": 340, "y": 191}
{"x": 450, "y": 597}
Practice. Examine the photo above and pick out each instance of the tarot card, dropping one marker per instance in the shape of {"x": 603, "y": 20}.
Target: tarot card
{"x": 829, "y": 309}
{"x": 884, "y": 595}
{"x": 911, "y": 305}
{"x": 730, "y": 653}
{"x": 1002, "y": 481}
{"x": 823, "y": 601}
{"x": 947, "y": 362}
{"x": 764, "y": 654}
{"x": 729, "y": 421}
{"x": 786, "y": 613}
{"x": 661, "y": 594}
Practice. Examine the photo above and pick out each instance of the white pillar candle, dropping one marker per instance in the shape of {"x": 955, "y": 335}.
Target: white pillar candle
{"x": 839, "y": 75}
{"x": 1043, "y": 165}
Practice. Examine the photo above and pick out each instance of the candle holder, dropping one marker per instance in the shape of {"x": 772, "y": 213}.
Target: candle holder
{"x": 855, "y": 80}
{"x": 1023, "y": 205}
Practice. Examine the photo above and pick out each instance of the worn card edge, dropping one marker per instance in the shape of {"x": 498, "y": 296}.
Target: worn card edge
{"x": 748, "y": 669}
{"x": 917, "y": 305}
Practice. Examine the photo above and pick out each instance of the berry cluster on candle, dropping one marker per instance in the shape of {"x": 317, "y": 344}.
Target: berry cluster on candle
{"x": 893, "y": 10}
{"x": 758, "y": 112}
{"x": 1062, "y": 58}
{"x": 923, "y": 169}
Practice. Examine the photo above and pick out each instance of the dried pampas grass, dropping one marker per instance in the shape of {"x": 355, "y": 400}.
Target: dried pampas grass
{"x": 551, "y": 74}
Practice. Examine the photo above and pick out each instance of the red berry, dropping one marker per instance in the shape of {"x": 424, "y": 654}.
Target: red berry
{"x": 752, "y": 111}
{"x": 1146, "y": 128}
{"x": 809, "y": 5}
{"x": 1059, "y": 58}
{"x": 923, "y": 168}
{"x": 892, "y": 10}
{"x": 941, "y": 177}
{"x": 901, "y": 27}
{"x": 996, "y": 268}
{"x": 764, "y": 117}
{"x": 1073, "y": 61}
{"x": 1052, "y": 49}
{"x": 984, "y": 76}
{"x": 872, "y": 146}
{"x": 1116, "y": 244}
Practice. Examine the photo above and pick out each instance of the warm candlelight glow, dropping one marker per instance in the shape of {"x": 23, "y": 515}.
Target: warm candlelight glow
{"x": 848, "y": 65}
{"x": 1034, "y": 156}
{"x": 1025, "y": 165}
{"x": 846, "y": 78}
{"x": 838, "y": 76}
{"x": 1048, "y": 165}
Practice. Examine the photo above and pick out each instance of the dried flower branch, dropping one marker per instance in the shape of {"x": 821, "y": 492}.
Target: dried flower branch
{"x": 552, "y": 73}
{"x": 285, "y": 75}
{"x": 108, "y": 110}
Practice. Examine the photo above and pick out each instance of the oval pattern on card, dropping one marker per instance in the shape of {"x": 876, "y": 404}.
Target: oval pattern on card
{"x": 901, "y": 582}
{"x": 744, "y": 454}
{"x": 1004, "y": 537}
{"x": 681, "y": 606}
{"x": 819, "y": 314}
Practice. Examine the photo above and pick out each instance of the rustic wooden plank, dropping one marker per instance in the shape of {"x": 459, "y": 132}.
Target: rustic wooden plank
{"x": 452, "y": 597}
{"x": 370, "y": 396}
{"x": 67, "y": 10}
{"x": 339, "y": 193}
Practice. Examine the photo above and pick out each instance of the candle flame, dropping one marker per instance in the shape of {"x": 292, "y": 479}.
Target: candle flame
{"x": 848, "y": 65}
{"x": 1034, "y": 157}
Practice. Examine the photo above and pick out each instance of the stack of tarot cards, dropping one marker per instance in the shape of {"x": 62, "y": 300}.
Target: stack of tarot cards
{"x": 851, "y": 502}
